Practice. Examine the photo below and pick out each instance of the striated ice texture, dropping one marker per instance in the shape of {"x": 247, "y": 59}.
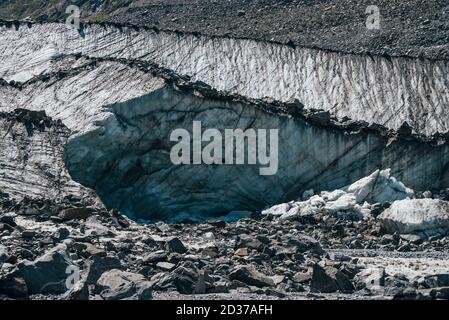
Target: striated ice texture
{"x": 383, "y": 90}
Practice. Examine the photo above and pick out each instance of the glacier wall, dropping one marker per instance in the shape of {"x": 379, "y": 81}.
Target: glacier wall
{"x": 122, "y": 116}
{"x": 31, "y": 158}
{"x": 120, "y": 111}
{"x": 126, "y": 159}
{"x": 376, "y": 89}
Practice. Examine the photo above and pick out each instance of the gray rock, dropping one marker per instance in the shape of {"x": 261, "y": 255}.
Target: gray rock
{"x": 250, "y": 276}
{"x": 184, "y": 279}
{"x": 165, "y": 266}
{"x": 412, "y": 238}
{"x": 330, "y": 279}
{"x": 95, "y": 228}
{"x": 302, "y": 277}
{"x": 118, "y": 285}
{"x": 76, "y": 213}
{"x": 154, "y": 257}
{"x": 48, "y": 273}
{"x": 304, "y": 243}
{"x": 91, "y": 250}
{"x": 98, "y": 265}
{"x": 248, "y": 241}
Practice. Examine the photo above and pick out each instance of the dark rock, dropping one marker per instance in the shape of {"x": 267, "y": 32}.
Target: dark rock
{"x": 330, "y": 279}
{"x": 8, "y": 218}
{"x": 46, "y": 274}
{"x": 3, "y": 254}
{"x": 248, "y": 241}
{"x": 184, "y": 279}
{"x": 99, "y": 265}
{"x": 411, "y": 294}
{"x": 306, "y": 244}
{"x": 14, "y": 287}
{"x": 320, "y": 117}
{"x": 61, "y": 234}
{"x": 440, "y": 293}
{"x": 175, "y": 245}
{"x": 436, "y": 280}
{"x": 218, "y": 224}
{"x": 294, "y": 106}
{"x": 405, "y": 129}
{"x": 250, "y": 276}
{"x": 119, "y": 218}
{"x": 155, "y": 257}
{"x": 28, "y": 234}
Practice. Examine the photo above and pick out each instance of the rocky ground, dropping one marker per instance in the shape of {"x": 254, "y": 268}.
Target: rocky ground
{"x": 324, "y": 246}
{"x": 417, "y": 28}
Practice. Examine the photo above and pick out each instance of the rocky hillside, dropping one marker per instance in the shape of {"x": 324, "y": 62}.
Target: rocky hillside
{"x": 417, "y": 28}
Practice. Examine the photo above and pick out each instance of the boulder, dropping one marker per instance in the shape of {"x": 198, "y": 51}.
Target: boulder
{"x": 250, "y": 276}
{"x": 155, "y": 257}
{"x": 121, "y": 285}
{"x": 78, "y": 290}
{"x": 175, "y": 245}
{"x": 330, "y": 279}
{"x": 48, "y": 273}
{"x": 99, "y": 265}
{"x": 165, "y": 266}
{"x": 304, "y": 243}
{"x": 184, "y": 279}
{"x": 415, "y": 215}
{"x": 248, "y": 241}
